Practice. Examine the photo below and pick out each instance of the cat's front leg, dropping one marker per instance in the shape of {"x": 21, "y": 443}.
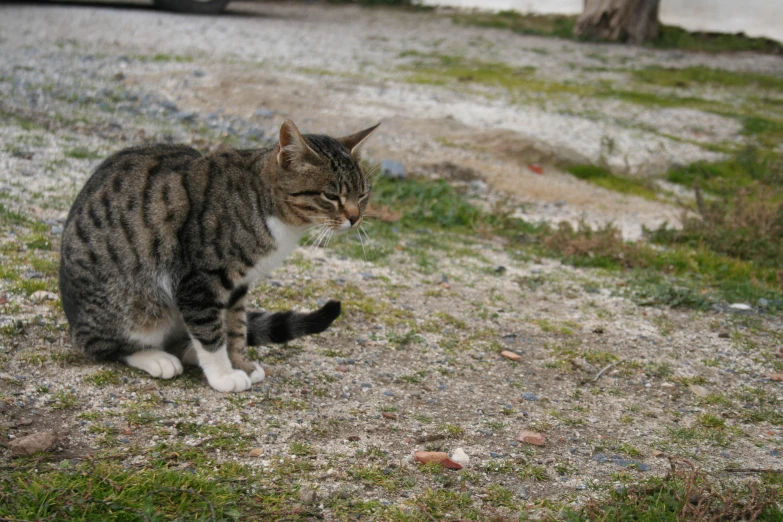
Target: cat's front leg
{"x": 204, "y": 313}
{"x": 236, "y": 320}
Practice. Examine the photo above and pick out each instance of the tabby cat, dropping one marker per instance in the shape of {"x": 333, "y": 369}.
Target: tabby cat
{"x": 162, "y": 245}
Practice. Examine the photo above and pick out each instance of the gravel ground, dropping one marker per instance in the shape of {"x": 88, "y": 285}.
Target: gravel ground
{"x": 414, "y": 361}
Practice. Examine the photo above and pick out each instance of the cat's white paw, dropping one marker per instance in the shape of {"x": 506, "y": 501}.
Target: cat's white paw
{"x": 258, "y": 374}
{"x": 155, "y": 362}
{"x": 236, "y": 381}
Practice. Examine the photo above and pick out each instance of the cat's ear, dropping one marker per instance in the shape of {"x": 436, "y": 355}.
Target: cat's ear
{"x": 353, "y": 141}
{"x": 292, "y": 145}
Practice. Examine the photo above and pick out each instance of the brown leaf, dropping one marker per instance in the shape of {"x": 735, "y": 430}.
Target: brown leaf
{"x": 387, "y": 415}
{"x": 425, "y": 457}
{"x": 531, "y": 437}
{"x": 775, "y": 376}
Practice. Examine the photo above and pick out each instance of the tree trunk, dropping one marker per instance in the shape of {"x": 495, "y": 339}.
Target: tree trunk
{"x": 632, "y": 21}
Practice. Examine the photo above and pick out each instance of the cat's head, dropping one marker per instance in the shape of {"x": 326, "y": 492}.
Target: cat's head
{"x": 320, "y": 179}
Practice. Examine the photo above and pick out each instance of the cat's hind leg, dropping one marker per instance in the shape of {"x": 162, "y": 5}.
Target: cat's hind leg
{"x": 155, "y": 362}
{"x": 102, "y": 346}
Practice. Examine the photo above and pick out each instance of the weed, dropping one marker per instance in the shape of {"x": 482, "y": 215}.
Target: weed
{"x": 604, "y": 178}
{"x": 103, "y": 378}
{"x": 64, "y": 400}
{"x": 683, "y": 494}
{"x": 82, "y": 153}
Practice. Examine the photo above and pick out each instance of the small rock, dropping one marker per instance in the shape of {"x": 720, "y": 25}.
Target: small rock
{"x": 353, "y": 438}
{"x": 34, "y": 443}
{"x": 511, "y": 355}
{"x": 264, "y": 113}
{"x": 460, "y": 457}
{"x": 387, "y": 415}
{"x": 763, "y": 303}
{"x": 531, "y": 437}
{"x": 598, "y": 331}
{"x": 495, "y": 455}
{"x": 478, "y": 186}
{"x": 667, "y": 385}
{"x": 256, "y": 452}
{"x": 583, "y": 365}
{"x": 42, "y": 295}
{"x": 659, "y": 454}
{"x": 440, "y": 457}
{"x": 529, "y": 396}
{"x": 185, "y": 116}
{"x": 699, "y": 391}
{"x": 777, "y": 377}
{"x": 500, "y": 269}
{"x": 307, "y": 495}
{"x": 198, "y": 73}
{"x": 740, "y": 306}
{"x": 341, "y": 368}
{"x": 392, "y": 169}
{"x": 724, "y": 335}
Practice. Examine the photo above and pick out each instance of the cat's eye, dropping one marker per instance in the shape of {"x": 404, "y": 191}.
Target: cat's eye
{"x": 331, "y": 197}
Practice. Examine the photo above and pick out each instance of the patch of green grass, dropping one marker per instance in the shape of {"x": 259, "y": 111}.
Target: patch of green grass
{"x": 10, "y": 217}
{"x": 451, "y": 430}
{"x": 82, "y": 153}
{"x": 64, "y": 400}
{"x": 604, "y": 178}
{"x": 670, "y": 37}
{"x": 747, "y": 222}
{"x": 107, "y": 491}
{"x": 163, "y": 57}
{"x": 709, "y": 420}
{"x": 682, "y": 275}
{"x": 103, "y": 378}
{"x": 383, "y": 477}
{"x": 750, "y": 165}
{"x": 684, "y": 77}
{"x": 442, "y": 69}
{"x": 560, "y": 26}
{"x": 300, "y": 449}
{"x": 660, "y": 370}
{"x": 673, "y": 37}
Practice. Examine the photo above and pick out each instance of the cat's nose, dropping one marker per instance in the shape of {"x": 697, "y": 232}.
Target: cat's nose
{"x": 354, "y": 219}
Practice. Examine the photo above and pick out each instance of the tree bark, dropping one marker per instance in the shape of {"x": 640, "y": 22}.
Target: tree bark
{"x": 632, "y": 21}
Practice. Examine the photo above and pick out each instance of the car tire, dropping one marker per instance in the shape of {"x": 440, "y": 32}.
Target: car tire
{"x": 193, "y": 6}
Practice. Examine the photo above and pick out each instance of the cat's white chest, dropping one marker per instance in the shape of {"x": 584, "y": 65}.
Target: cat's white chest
{"x": 287, "y": 239}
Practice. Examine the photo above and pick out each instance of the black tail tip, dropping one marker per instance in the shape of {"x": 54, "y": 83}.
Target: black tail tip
{"x": 324, "y": 316}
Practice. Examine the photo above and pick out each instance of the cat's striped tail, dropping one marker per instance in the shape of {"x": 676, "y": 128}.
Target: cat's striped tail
{"x": 281, "y": 327}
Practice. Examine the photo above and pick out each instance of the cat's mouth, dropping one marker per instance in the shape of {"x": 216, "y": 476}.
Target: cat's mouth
{"x": 348, "y": 224}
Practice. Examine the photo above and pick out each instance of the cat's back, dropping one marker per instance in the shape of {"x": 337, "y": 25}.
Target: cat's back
{"x": 130, "y": 169}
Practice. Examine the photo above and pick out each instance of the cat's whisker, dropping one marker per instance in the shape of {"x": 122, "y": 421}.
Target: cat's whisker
{"x": 323, "y": 236}
{"x": 366, "y": 235}
{"x": 316, "y": 240}
{"x": 364, "y": 252}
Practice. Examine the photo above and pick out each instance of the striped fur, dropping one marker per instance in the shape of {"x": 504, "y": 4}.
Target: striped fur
{"x": 162, "y": 245}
